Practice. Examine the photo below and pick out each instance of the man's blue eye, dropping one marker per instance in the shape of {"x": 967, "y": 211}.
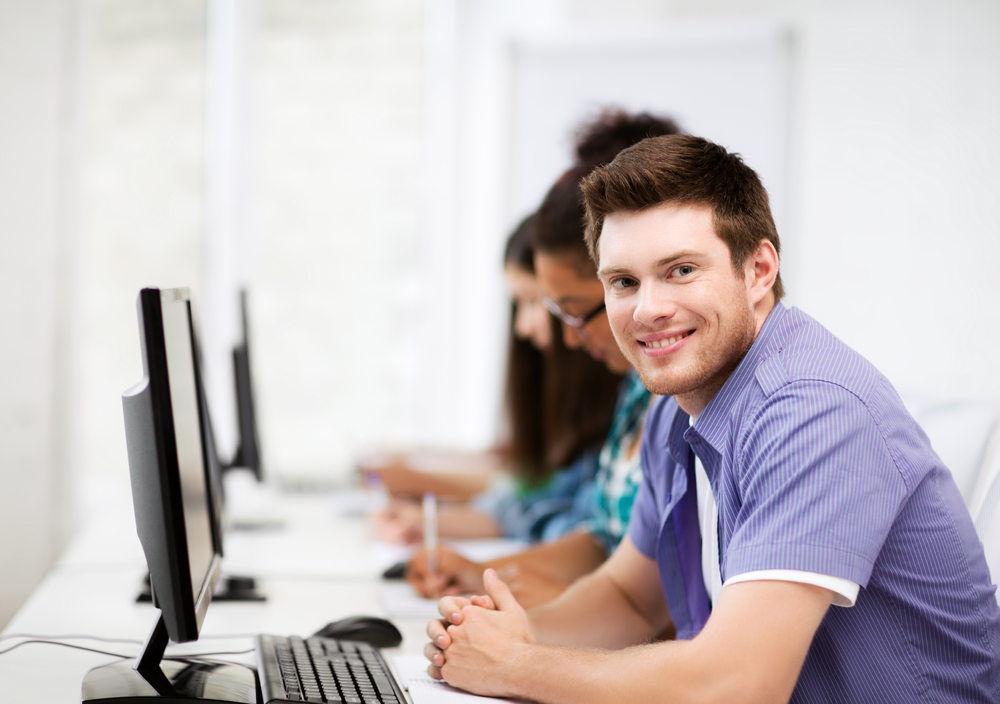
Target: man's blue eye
{"x": 685, "y": 270}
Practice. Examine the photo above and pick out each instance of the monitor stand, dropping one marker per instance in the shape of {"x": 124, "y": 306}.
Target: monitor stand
{"x": 150, "y": 680}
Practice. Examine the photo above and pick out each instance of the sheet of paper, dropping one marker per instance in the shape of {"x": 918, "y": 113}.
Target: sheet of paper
{"x": 412, "y": 673}
{"x": 484, "y": 549}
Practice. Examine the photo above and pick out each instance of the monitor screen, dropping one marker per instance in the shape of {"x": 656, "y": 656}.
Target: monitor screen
{"x": 184, "y": 405}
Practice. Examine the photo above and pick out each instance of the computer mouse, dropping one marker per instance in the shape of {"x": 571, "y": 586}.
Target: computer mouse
{"x": 397, "y": 571}
{"x": 368, "y": 629}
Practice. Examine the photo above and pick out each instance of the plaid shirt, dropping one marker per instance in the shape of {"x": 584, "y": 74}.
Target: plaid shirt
{"x": 618, "y": 475}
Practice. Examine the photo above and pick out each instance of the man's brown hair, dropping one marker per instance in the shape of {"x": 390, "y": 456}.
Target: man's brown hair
{"x": 684, "y": 170}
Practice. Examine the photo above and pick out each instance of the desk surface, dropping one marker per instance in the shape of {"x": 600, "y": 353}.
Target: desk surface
{"x": 320, "y": 567}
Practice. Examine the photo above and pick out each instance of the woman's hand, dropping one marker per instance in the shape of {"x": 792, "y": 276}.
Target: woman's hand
{"x": 401, "y": 523}
{"x": 454, "y": 575}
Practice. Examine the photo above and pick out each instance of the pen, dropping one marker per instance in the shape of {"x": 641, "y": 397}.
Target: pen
{"x": 431, "y": 532}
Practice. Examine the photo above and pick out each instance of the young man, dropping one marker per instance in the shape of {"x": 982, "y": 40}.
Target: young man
{"x": 847, "y": 566}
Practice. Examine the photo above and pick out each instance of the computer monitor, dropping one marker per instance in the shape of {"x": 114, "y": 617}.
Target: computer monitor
{"x": 248, "y": 451}
{"x": 230, "y": 587}
{"x": 172, "y": 496}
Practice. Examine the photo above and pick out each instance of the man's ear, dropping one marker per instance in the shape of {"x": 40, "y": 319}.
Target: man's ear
{"x": 761, "y": 269}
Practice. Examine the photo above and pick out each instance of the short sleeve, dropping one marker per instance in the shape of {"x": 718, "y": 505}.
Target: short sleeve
{"x": 818, "y": 489}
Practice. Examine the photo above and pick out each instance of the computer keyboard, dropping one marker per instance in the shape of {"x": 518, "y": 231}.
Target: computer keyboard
{"x": 324, "y": 670}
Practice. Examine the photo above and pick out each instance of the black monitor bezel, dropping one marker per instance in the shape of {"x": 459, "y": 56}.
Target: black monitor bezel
{"x": 156, "y": 480}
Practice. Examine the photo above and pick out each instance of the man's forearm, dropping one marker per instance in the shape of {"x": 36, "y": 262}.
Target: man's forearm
{"x": 661, "y": 672}
{"x": 592, "y": 613}
{"x": 751, "y": 650}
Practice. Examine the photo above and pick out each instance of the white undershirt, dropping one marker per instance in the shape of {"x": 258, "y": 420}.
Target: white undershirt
{"x": 708, "y": 521}
{"x": 845, "y": 592}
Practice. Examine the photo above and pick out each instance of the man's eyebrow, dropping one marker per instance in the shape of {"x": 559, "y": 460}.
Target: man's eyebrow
{"x": 602, "y": 272}
{"x": 666, "y": 261}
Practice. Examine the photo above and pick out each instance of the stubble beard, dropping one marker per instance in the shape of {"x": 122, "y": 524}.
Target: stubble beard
{"x": 695, "y": 384}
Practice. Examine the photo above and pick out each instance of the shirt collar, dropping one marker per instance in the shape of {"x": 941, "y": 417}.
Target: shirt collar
{"x": 713, "y": 421}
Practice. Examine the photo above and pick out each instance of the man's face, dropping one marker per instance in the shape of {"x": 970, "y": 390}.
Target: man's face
{"x": 560, "y": 280}
{"x": 681, "y": 315}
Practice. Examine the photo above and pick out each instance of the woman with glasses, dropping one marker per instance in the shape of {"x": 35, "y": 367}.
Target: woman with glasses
{"x": 573, "y": 294}
{"x": 559, "y": 403}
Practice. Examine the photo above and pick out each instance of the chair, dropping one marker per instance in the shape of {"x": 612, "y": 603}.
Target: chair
{"x": 984, "y": 506}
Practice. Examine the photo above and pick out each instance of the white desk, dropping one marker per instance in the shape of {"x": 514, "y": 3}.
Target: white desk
{"x": 91, "y": 591}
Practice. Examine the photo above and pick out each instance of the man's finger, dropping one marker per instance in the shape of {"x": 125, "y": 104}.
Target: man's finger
{"x": 499, "y": 592}
{"x": 435, "y": 655}
{"x": 450, "y": 608}
{"x": 485, "y": 601}
{"x": 438, "y": 633}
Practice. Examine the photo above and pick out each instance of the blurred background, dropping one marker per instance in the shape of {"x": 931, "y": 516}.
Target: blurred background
{"x": 357, "y": 164}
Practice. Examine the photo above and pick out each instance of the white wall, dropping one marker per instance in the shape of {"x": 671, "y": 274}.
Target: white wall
{"x": 35, "y": 47}
{"x": 140, "y": 216}
{"x": 895, "y": 153}
{"x": 336, "y": 109}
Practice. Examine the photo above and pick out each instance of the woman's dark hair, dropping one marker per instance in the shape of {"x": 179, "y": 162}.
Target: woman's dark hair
{"x": 559, "y": 402}
{"x": 559, "y": 225}
{"x": 519, "y": 251}
{"x": 599, "y": 140}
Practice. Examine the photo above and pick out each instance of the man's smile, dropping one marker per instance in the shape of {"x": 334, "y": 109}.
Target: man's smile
{"x": 662, "y": 342}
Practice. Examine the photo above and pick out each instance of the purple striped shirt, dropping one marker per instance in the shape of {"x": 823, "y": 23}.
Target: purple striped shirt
{"x": 816, "y": 465}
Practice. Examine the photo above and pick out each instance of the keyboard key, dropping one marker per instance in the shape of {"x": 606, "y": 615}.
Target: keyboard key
{"x": 384, "y": 686}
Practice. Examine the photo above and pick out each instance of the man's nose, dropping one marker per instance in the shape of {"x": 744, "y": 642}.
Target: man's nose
{"x": 654, "y": 303}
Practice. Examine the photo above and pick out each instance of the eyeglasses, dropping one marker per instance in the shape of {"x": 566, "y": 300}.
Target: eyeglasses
{"x": 574, "y": 321}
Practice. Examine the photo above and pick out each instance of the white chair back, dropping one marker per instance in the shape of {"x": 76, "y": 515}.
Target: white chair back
{"x": 988, "y": 526}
